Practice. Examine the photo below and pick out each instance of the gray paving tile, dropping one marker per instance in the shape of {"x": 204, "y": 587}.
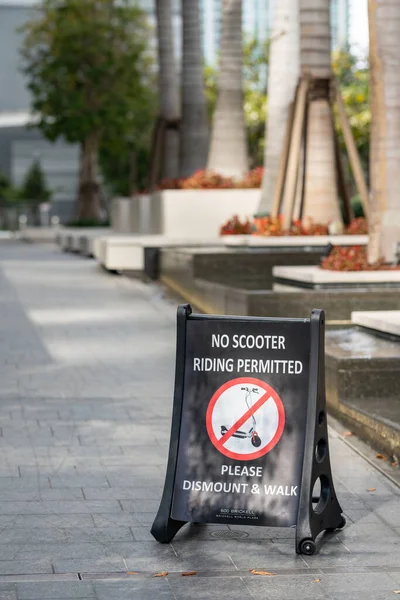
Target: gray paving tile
{"x": 244, "y": 554}
{"x": 59, "y": 507}
{"x": 75, "y": 481}
{"x": 102, "y": 535}
{"x": 364, "y": 595}
{"x": 20, "y": 566}
{"x": 133, "y": 506}
{"x": 32, "y": 590}
{"x": 357, "y": 583}
{"x": 229, "y": 588}
{"x": 124, "y": 493}
{"x": 40, "y": 521}
{"x": 95, "y": 565}
{"x": 124, "y": 519}
{"x": 134, "y": 589}
{"x": 293, "y": 587}
{"x": 40, "y": 495}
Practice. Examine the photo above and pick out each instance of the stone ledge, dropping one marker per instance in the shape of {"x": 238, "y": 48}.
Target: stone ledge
{"x": 295, "y": 240}
{"x": 383, "y": 321}
{"x": 314, "y": 277}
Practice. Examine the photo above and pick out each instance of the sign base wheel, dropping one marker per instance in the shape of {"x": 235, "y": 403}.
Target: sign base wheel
{"x": 308, "y": 547}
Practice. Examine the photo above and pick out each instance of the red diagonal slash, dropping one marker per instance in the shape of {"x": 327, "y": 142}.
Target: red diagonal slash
{"x": 243, "y": 419}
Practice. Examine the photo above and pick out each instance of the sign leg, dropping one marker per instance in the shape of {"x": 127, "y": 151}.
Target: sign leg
{"x": 321, "y": 512}
{"x": 164, "y": 528}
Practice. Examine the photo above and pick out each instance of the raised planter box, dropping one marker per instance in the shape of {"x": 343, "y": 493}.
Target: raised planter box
{"x": 180, "y": 272}
{"x": 196, "y": 213}
{"x": 363, "y": 386}
{"x": 79, "y": 239}
{"x": 317, "y": 278}
{"x": 125, "y": 215}
{"x": 241, "y": 267}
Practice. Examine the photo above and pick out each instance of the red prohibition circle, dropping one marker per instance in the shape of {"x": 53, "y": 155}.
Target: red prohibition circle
{"x": 281, "y": 418}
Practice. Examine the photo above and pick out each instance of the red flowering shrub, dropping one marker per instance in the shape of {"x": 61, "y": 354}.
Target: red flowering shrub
{"x": 252, "y": 179}
{"x": 209, "y": 180}
{"x": 358, "y": 226}
{"x": 235, "y": 226}
{"x": 268, "y": 226}
{"x": 206, "y": 180}
{"x": 309, "y": 228}
{"x": 352, "y": 258}
{"x": 272, "y": 226}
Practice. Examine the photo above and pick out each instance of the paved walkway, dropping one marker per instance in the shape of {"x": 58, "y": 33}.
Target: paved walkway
{"x": 86, "y": 376}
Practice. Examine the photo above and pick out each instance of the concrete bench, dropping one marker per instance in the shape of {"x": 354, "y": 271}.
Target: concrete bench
{"x": 127, "y": 253}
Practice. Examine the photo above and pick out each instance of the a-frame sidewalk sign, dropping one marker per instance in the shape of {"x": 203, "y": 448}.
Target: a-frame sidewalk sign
{"x": 249, "y": 437}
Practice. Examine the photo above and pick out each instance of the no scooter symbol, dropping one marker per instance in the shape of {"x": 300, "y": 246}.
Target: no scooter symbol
{"x": 245, "y": 418}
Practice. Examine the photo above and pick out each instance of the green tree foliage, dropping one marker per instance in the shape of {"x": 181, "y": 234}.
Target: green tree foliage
{"x": 34, "y": 189}
{"x": 255, "y": 62}
{"x": 5, "y": 186}
{"x": 353, "y": 78}
{"x": 125, "y": 160}
{"x": 9, "y": 194}
{"x": 86, "y": 64}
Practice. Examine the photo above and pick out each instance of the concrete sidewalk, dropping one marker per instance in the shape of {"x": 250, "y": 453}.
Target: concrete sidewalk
{"x": 86, "y": 372}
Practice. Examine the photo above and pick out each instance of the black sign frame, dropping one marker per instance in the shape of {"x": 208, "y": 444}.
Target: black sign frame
{"x": 315, "y": 514}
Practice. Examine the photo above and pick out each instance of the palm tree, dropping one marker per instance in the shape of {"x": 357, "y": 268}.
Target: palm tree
{"x": 283, "y": 73}
{"x": 194, "y": 125}
{"x": 384, "y": 220}
{"x": 168, "y": 88}
{"x": 228, "y": 150}
{"x": 321, "y": 194}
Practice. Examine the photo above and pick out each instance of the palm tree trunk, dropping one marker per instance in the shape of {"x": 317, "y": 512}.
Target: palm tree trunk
{"x": 194, "y": 126}
{"x": 283, "y": 73}
{"x": 89, "y": 195}
{"x": 228, "y": 151}
{"x": 321, "y": 202}
{"x": 384, "y": 224}
{"x": 168, "y": 88}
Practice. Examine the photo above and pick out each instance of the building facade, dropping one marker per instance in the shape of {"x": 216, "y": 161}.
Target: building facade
{"x": 21, "y": 145}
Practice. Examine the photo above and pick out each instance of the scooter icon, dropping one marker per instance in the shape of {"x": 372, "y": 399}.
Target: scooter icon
{"x": 252, "y": 433}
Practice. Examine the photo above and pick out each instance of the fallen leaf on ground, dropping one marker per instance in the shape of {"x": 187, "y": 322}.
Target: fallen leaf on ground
{"x": 371, "y": 489}
{"x": 347, "y": 433}
{"x": 189, "y": 573}
{"x": 395, "y": 463}
{"x": 317, "y": 580}
{"x": 380, "y": 456}
{"x": 256, "y": 572}
{"x": 162, "y": 574}
{"x": 132, "y": 572}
